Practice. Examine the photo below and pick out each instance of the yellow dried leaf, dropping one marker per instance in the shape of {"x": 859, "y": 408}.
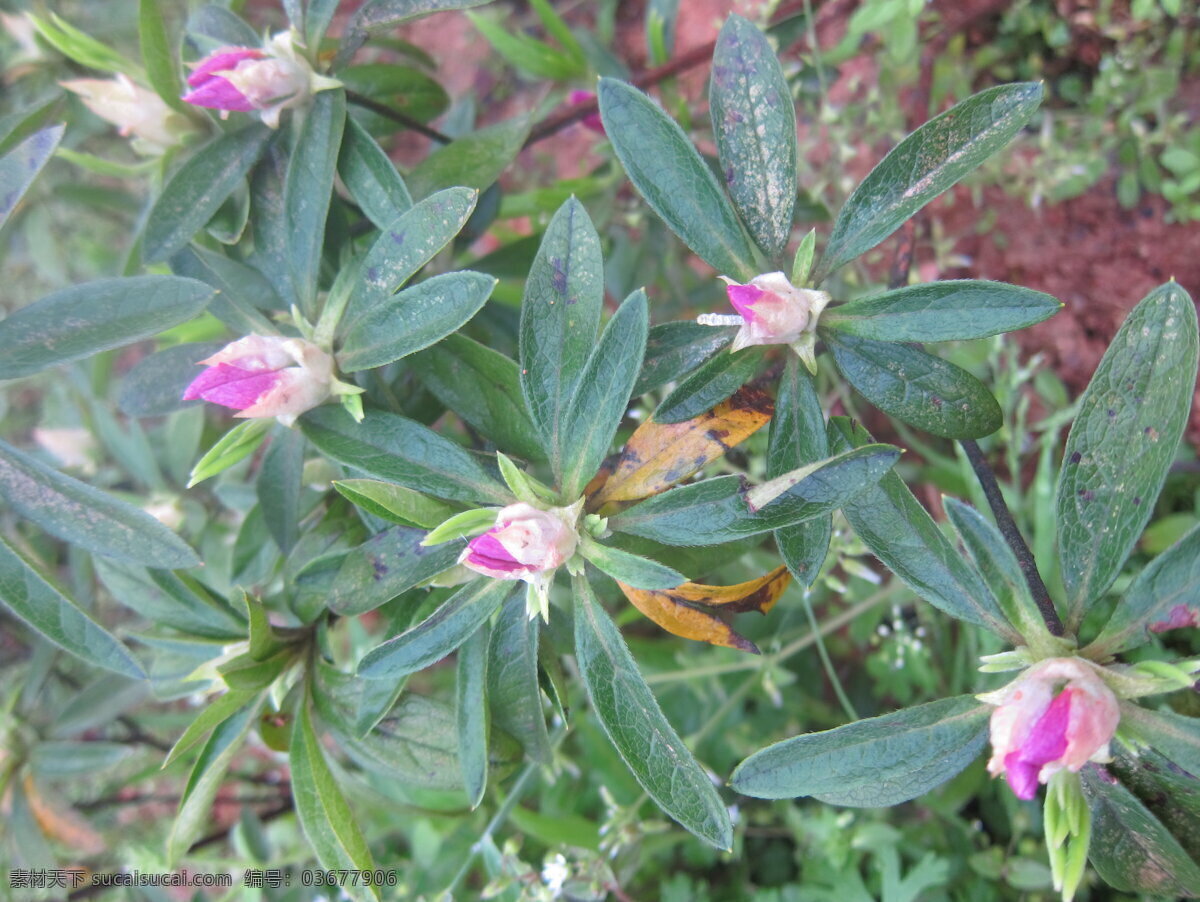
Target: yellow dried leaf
{"x": 659, "y": 455}
{"x": 61, "y": 823}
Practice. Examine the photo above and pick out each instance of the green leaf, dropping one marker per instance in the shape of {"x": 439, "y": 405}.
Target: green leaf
{"x": 483, "y": 387}
{"x": 475, "y": 160}
{"x": 675, "y": 349}
{"x": 1175, "y": 736}
{"x": 51, "y": 614}
{"x": 394, "y": 502}
{"x": 234, "y": 446}
{"x": 900, "y": 532}
{"x": 87, "y": 517}
{"x": 54, "y": 760}
{"x": 213, "y": 714}
{"x": 396, "y": 449}
{"x": 676, "y": 183}
{"x": 82, "y": 48}
{"x": 916, "y": 387}
{"x": 461, "y": 525}
{"x": 754, "y": 123}
{"x": 371, "y": 178}
{"x": 243, "y": 292}
{"x": 407, "y": 244}
{"x": 206, "y": 779}
{"x": 602, "y": 394}
{"x": 196, "y": 191}
{"x": 1165, "y": 595}
{"x": 716, "y": 510}
{"x": 1132, "y": 850}
{"x": 631, "y": 569}
{"x": 279, "y": 485}
{"x": 308, "y": 188}
{"x": 513, "y": 692}
{"x": 872, "y": 763}
{"x": 21, "y": 165}
{"x": 798, "y": 438}
{"x": 217, "y": 27}
{"x": 942, "y": 311}
{"x": 326, "y": 816}
{"x": 407, "y": 89}
{"x": 1131, "y": 418}
{"x": 162, "y": 69}
{"x": 317, "y": 16}
{"x": 925, "y": 164}
{"x": 998, "y": 566}
{"x": 637, "y": 728}
{"x": 712, "y": 383}
{"x": 438, "y": 634}
{"x": 19, "y": 125}
{"x": 386, "y": 13}
{"x": 528, "y": 54}
{"x": 414, "y": 319}
{"x": 85, "y": 319}
{"x": 385, "y": 566}
{"x": 471, "y": 714}
{"x": 165, "y": 599}
{"x": 560, "y": 315}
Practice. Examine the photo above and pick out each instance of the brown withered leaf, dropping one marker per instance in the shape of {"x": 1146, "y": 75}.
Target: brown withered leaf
{"x": 62, "y": 823}
{"x": 659, "y": 455}
{"x": 674, "y": 609}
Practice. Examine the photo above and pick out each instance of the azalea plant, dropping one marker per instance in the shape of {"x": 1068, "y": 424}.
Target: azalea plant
{"x": 391, "y": 488}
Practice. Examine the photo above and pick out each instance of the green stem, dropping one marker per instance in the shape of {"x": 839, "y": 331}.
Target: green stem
{"x": 838, "y": 689}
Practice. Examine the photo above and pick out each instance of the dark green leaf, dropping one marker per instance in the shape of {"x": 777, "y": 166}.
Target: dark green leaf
{"x": 414, "y": 319}
{"x": 242, "y": 291}
{"x": 86, "y": 516}
{"x": 326, "y": 816}
{"x": 385, "y": 566}
{"x": 308, "y": 189}
{"x": 386, "y": 13}
{"x": 218, "y": 27}
{"x": 709, "y": 385}
{"x": 197, "y": 190}
{"x": 475, "y": 160}
{"x": 438, "y": 634}
{"x": 155, "y": 385}
{"x": 21, "y": 165}
{"x": 900, "y": 532}
{"x": 925, "y": 164}
{"x": 51, "y": 614}
{"x": 716, "y": 510}
{"x": 635, "y": 724}
{"x": 162, "y": 69}
{"x": 407, "y": 244}
{"x": 279, "y": 485}
{"x": 675, "y": 349}
{"x": 754, "y": 123}
{"x": 514, "y": 694}
{"x": 916, "y": 387}
{"x": 602, "y": 394}
{"x": 471, "y": 713}
{"x": 942, "y": 311}
{"x": 1165, "y": 595}
{"x": 871, "y": 763}
{"x": 17, "y": 126}
{"x": 85, "y": 319}
{"x": 1131, "y": 849}
{"x": 394, "y": 503}
{"x": 1130, "y": 421}
{"x": 1175, "y": 736}
{"x": 215, "y": 712}
{"x": 676, "y": 183}
{"x": 560, "y": 315}
{"x": 798, "y": 438}
{"x": 396, "y": 449}
{"x": 483, "y": 387}
{"x": 165, "y": 599}
{"x": 631, "y": 569}
{"x": 373, "y": 181}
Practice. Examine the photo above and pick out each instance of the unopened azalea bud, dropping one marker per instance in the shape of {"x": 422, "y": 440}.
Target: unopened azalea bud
{"x": 591, "y": 120}
{"x": 774, "y": 311}
{"x": 265, "y": 376}
{"x": 137, "y": 112}
{"x": 245, "y": 79}
{"x": 1059, "y": 714}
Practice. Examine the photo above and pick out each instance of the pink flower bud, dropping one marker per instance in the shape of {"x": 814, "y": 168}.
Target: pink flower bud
{"x": 245, "y": 79}
{"x": 137, "y": 112}
{"x": 773, "y": 311}
{"x": 524, "y": 543}
{"x": 1058, "y": 714}
{"x": 591, "y": 120}
{"x": 265, "y": 376}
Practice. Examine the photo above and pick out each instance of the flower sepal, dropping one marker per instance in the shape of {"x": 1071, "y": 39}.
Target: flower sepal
{"x": 468, "y": 523}
{"x": 1067, "y": 822}
{"x": 1150, "y": 677}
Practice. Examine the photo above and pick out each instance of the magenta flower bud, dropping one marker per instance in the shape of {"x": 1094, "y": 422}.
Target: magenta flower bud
{"x": 591, "y": 120}
{"x": 265, "y": 376}
{"x": 526, "y": 543}
{"x": 137, "y": 112}
{"x": 247, "y": 79}
{"x": 1059, "y": 714}
{"x": 773, "y": 311}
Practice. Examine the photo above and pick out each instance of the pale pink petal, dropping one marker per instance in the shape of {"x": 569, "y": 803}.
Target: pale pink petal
{"x": 220, "y": 61}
